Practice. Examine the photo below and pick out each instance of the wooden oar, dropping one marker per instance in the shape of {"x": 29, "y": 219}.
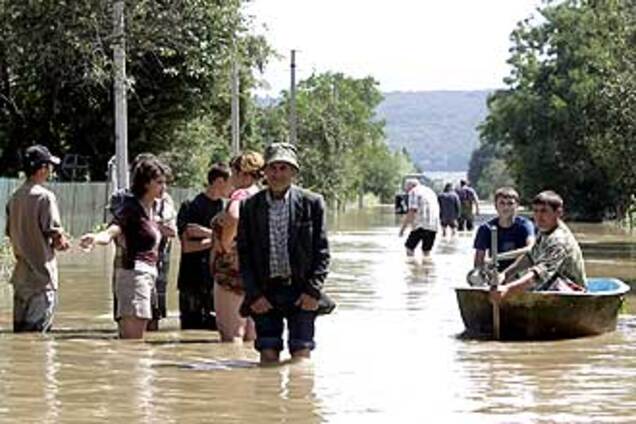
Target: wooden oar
{"x": 494, "y": 281}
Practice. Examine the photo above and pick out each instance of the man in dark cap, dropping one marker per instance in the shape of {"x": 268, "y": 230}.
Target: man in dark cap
{"x": 35, "y": 231}
{"x": 284, "y": 258}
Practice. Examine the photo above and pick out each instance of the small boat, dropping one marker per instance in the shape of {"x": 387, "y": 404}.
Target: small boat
{"x": 545, "y": 315}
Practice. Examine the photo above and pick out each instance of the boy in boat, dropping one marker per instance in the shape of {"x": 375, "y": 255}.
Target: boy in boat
{"x": 555, "y": 262}
{"x": 515, "y": 234}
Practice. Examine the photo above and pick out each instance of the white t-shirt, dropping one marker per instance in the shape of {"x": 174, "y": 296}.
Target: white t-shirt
{"x": 424, "y": 201}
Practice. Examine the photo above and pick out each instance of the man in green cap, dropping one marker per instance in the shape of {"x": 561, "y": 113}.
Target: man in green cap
{"x": 284, "y": 258}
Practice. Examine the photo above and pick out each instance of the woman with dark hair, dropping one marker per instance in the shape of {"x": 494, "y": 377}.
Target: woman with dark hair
{"x": 141, "y": 233}
{"x": 228, "y": 287}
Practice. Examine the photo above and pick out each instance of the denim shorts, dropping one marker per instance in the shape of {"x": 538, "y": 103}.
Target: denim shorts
{"x": 270, "y": 325}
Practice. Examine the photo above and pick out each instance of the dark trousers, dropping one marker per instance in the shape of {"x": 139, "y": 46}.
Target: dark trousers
{"x": 161, "y": 285}
{"x": 465, "y": 223}
{"x": 197, "y": 310}
{"x": 270, "y": 325}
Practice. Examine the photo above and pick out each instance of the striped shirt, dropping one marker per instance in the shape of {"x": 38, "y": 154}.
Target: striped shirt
{"x": 278, "y": 235}
{"x": 424, "y": 201}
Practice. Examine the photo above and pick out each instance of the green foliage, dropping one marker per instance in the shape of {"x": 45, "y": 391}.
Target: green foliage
{"x": 196, "y": 145}
{"x": 494, "y": 176}
{"x": 341, "y": 144}
{"x": 382, "y": 171}
{"x": 56, "y": 77}
{"x": 560, "y": 124}
{"x": 613, "y": 125}
{"x": 489, "y": 171}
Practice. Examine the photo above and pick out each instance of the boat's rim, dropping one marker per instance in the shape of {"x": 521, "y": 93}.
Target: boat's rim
{"x": 621, "y": 290}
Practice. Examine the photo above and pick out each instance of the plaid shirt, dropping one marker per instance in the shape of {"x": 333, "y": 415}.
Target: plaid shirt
{"x": 278, "y": 234}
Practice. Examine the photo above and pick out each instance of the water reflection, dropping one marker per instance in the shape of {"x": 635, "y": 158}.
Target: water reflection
{"x": 25, "y": 360}
{"x": 388, "y": 353}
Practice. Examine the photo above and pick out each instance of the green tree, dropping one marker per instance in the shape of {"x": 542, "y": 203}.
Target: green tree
{"x": 381, "y": 170}
{"x": 488, "y": 171}
{"x": 56, "y": 76}
{"x": 612, "y": 132}
{"x": 546, "y": 124}
{"x": 341, "y": 143}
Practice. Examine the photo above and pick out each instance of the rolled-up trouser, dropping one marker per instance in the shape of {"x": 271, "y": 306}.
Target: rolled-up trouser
{"x": 33, "y": 311}
{"x": 270, "y": 325}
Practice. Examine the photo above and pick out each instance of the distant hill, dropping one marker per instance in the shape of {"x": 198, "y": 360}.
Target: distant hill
{"x": 437, "y": 128}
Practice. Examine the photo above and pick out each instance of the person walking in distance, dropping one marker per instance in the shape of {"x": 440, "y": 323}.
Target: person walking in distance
{"x": 422, "y": 217}
{"x": 470, "y": 206}
{"x": 450, "y": 208}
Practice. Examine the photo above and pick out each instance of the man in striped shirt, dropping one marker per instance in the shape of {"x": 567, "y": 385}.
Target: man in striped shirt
{"x": 422, "y": 217}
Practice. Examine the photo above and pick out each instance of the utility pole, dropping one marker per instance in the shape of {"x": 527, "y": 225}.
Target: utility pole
{"x": 292, "y": 101}
{"x": 236, "y": 142}
{"x": 121, "y": 110}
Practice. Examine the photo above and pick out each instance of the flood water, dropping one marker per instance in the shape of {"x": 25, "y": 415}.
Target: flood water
{"x": 390, "y": 351}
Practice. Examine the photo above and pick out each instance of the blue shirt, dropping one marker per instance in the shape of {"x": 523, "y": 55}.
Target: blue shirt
{"x": 511, "y": 238}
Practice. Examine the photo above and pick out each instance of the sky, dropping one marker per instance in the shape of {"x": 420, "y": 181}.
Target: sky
{"x": 407, "y": 45}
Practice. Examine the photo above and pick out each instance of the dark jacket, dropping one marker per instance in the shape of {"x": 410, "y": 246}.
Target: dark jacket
{"x": 307, "y": 244}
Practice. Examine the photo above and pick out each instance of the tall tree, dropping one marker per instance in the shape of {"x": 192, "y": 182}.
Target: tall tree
{"x": 612, "y": 132}
{"x": 545, "y": 121}
{"x": 56, "y": 76}
{"x": 341, "y": 142}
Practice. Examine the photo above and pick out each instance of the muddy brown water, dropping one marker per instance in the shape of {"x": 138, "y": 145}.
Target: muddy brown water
{"x": 390, "y": 351}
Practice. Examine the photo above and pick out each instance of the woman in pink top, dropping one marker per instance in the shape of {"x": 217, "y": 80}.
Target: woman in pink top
{"x": 228, "y": 287}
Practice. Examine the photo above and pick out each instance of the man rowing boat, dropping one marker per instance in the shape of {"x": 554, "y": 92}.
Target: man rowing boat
{"x": 554, "y": 263}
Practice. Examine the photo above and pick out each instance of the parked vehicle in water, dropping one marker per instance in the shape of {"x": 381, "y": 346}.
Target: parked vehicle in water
{"x": 544, "y": 315}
